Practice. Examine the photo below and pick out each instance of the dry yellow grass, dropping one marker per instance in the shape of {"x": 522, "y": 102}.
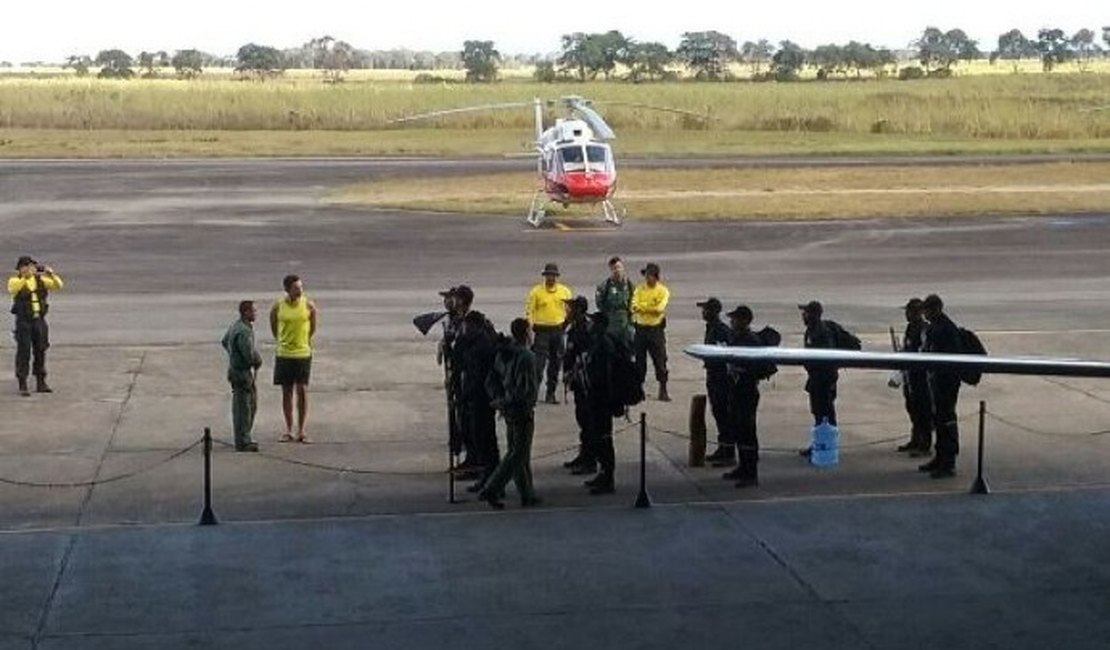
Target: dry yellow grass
{"x": 777, "y": 193}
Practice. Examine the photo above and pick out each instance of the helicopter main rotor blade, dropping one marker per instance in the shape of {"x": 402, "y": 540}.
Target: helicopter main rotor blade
{"x": 457, "y": 111}
{"x": 591, "y": 117}
{"x": 663, "y": 109}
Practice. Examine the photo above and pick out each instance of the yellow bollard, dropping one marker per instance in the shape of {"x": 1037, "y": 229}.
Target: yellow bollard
{"x": 697, "y": 431}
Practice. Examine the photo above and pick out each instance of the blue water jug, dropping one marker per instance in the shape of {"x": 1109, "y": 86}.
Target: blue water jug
{"x": 826, "y": 444}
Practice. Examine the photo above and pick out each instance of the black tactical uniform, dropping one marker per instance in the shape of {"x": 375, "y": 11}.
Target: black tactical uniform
{"x": 943, "y": 336}
{"x": 474, "y": 352}
{"x": 821, "y": 382}
{"x": 718, "y": 385}
{"x": 915, "y": 390}
{"x": 574, "y": 374}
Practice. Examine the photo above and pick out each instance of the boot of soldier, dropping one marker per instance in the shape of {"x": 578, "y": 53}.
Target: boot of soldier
{"x": 663, "y": 396}
{"x": 550, "y": 398}
{"x": 23, "y": 387}
{"x": 723, "y": 457}
{"x": 41, "y": 385}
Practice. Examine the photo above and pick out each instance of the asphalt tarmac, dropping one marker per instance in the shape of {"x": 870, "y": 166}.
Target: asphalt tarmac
{"x": 156, "y": 255}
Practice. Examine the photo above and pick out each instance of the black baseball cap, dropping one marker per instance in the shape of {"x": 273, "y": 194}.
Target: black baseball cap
{"x": 712, "y": 304}
{"x": 579, "y": 303}
{"x": 812, "y": 307}
{"x": 24, "y": 261}
{"x": 742, "y": 311}
{"x": 464, "y": 293}
{"x": 914, "y": 303}
{"x": 449, "y": 292}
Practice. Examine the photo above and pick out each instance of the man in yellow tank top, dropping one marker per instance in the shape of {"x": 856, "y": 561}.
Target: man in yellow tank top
{"x": 293, "y": 324}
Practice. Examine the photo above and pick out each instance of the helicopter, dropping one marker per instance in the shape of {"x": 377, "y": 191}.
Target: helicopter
{"x": 575, "y": 162}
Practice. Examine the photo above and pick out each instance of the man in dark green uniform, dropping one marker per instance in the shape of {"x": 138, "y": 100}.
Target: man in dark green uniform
{"x": 513, "y": 385}
{"x": 614, "y": 299}
{"x": 243, "y": 362}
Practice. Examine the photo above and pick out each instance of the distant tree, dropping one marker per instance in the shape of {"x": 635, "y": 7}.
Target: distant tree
{"x": 756, "y": 54}
{"x": 1014, "y": 46}
{"x": 1084, "y": 48}
{"x": 150, "y": 62}
{"x": 80, "y": 64}
{"x": 114, "y": 64}
{"x": 1054, "y": 48}
{"x": 939, "y": 50}
{"x": 576, "y": 55}
{"x": 788, "y": 61}
{"x": 334, "y": 57}
{"x": 1106, "y": 37}
{"x": 829, "y": 59}
{"x": 545, "y": 72}
{"x": 648, "y": 62}
{"x": 188, "y": 64}
{"x": 481, "y": 60}
{"x": 708, "y": 54}
{"x": 260, "y": 61}
{"x": 587, "y": 55}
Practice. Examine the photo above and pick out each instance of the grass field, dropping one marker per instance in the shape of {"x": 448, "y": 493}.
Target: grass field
{"x": 775, "y": 193}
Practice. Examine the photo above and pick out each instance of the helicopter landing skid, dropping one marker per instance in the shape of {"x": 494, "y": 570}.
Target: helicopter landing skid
{"x": 537, "y": 211}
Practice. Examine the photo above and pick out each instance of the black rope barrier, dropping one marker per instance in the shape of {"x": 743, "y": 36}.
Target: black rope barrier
{"x": 103, "y": 481}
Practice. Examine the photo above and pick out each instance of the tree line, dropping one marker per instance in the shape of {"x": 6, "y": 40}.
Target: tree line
{"x": 704, "y": 56}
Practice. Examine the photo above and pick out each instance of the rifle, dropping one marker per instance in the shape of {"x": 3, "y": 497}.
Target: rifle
{"x": 897, "y": 377}
{"x": 424, "y": 322}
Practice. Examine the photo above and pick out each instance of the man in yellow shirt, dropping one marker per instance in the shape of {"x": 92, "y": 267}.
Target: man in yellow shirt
{"x": 293, "y": 324}
{"x": 29, "y": 288}
{"x": 546, "y": 311}
{"x": 649, "y": 319}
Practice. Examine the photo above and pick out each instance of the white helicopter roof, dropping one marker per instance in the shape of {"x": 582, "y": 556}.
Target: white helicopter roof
{"x": 567, "y": 130}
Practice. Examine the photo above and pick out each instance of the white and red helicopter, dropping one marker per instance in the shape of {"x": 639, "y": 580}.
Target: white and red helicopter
{"x": 575, "y": 161}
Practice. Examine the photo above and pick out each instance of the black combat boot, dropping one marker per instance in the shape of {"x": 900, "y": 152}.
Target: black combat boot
{"x": 41, "y": 386}
{"x": 663, "y": 396}
{"x": 23, "y": 390}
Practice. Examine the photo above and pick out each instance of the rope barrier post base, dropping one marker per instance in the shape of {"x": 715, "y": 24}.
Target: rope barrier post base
{"x": 207, "y": 517}
{"x": 642, "y": 499}
{"x": 980, "y": 485}
{"x": 696, "y": 457}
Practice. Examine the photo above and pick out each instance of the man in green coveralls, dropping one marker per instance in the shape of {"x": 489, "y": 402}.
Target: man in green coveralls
{"x": 243, "y": 362}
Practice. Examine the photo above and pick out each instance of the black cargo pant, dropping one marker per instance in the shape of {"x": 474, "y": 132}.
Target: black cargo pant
{"x": 744, "y": 407}
{"x": 945, "y": 390}
{"x": 582, "y": 419}
{"x": 822, "y": 400}
{"x": 548, "y": 348}
{"x": 32, "y": 337}
{"x": 919, "y": 406}
{"x": 481, "y": 434}
{"x": 651, "y": 340}
{"x": 600, "y": 433}
{"x": 717, "y": 387}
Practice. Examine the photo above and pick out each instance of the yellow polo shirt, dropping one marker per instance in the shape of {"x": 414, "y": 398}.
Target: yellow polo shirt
{"x": 18, "y": 283}
{"x": 547, "y": 307}
{"x": 649, "y": 304}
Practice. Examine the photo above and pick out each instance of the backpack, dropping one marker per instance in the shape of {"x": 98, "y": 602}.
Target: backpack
{"x": 970, "y": 344}
{"x": 842, "y": 338}
{"x": 628, "y": 387}
{"x": 769, "y": 337}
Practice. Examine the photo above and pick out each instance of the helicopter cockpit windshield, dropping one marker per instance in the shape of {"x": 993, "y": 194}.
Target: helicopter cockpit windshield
{"x": 587, "y": 158}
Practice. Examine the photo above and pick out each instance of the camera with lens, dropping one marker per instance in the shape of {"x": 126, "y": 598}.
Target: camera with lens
{"x": 40, "y": 268}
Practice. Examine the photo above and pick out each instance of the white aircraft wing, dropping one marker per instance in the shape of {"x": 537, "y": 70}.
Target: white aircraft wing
{"x": 902, "y": 360}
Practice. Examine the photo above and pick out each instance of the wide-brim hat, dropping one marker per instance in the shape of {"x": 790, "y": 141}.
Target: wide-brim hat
{"x": 651, "y": 268}
{"x": 24, "y": 261}
{"x": 550, "y": 269}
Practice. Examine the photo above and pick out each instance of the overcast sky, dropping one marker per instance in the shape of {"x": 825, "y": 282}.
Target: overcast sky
{"x": 54, "y": 30}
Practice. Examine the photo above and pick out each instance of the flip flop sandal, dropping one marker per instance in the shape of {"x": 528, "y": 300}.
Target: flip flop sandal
{"x": 285, "y": 437}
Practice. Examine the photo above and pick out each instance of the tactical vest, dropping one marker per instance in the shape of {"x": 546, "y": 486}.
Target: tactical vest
{"x": 21, "y": 302}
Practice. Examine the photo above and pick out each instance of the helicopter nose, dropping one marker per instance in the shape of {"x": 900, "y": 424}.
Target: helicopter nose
{"x": 584, "y": 184}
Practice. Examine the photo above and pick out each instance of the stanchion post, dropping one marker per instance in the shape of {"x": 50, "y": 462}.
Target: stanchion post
{"x": 643, "y": 500}
{"x": 207, "y": 517}
{"x": 450, "y": 476}
{"x": 980, "y": 485}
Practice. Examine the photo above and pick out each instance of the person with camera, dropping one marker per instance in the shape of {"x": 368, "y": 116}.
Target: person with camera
{"x": 29, "y": 289}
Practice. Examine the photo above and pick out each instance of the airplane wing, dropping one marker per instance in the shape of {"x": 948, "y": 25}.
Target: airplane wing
{"x": 902, "y": 360}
